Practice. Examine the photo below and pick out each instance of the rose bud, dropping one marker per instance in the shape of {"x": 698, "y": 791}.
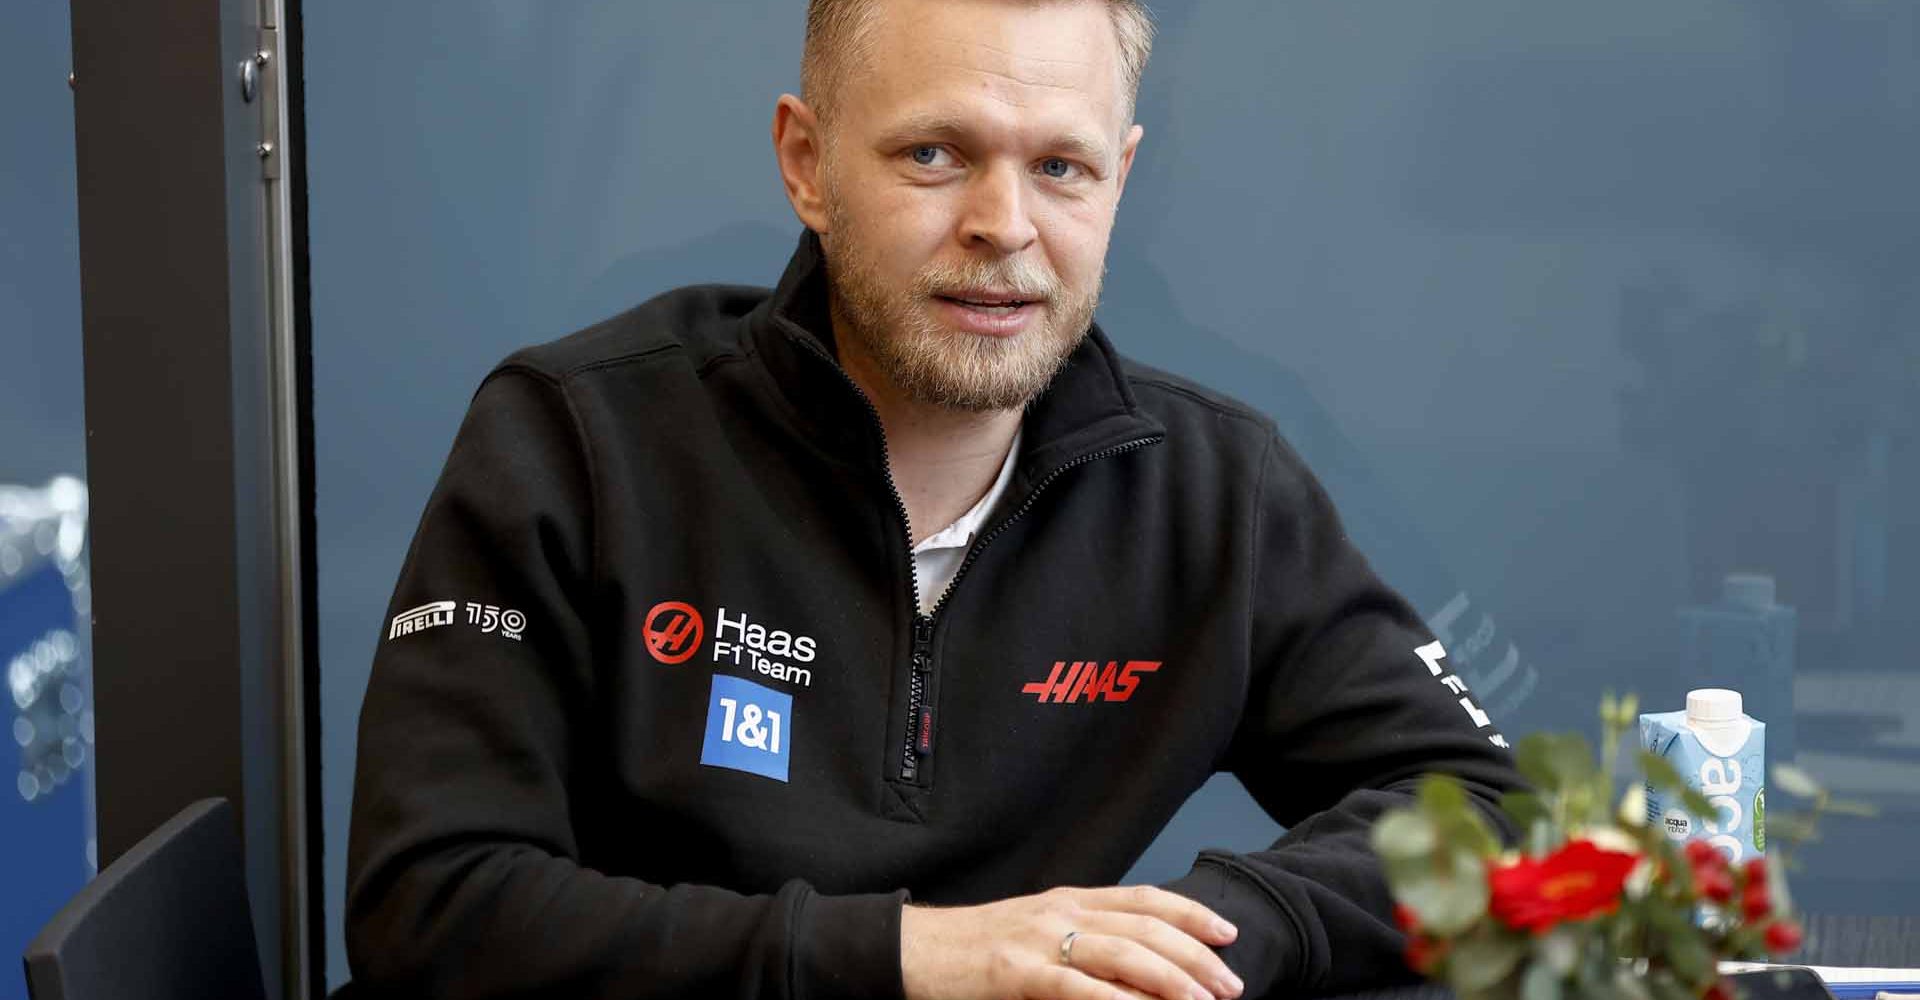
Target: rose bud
{"x": 1715, "y": 884}
{"x": 1405, "y": 918}
{"x": 1754, "y": 901}
{"x": 1701, "y": 854}
{"x": 1756, "y": 869}
{"x": 1424, "y": 953}
{"x": 1783, "y": 936}
{"x": 1718, "y": 991}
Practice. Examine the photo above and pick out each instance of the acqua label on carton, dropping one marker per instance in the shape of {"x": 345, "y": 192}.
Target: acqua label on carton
{"x": 1721, "y": 752}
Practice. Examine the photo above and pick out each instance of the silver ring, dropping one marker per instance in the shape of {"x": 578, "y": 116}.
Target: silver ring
{"x": 1066, "y": 947}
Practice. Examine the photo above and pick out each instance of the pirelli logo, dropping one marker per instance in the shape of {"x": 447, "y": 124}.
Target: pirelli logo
{"x": 420, "y": 619}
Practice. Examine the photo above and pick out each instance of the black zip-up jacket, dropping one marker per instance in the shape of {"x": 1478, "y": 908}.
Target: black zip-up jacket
{"x": 654, "y": 713}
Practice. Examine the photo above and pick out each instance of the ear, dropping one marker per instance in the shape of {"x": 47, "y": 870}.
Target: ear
{"x": 1128, "y": 147}
{"x": 799, "y": 147}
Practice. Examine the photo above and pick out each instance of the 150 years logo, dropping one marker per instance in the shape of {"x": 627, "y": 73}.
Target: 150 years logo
{"x": 508, "y": 623}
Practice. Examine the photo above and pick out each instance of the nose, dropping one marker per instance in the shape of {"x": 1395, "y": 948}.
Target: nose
{"x": 996, "y": 212}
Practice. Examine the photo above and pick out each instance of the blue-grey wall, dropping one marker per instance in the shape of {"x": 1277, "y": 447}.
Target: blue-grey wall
{"x": 1577, "y": 307}
{"x": 43, "y": 841}
{"x": 42, "y": 423}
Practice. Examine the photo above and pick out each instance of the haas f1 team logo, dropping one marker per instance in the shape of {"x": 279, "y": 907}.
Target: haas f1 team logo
{"x": 673, "y": 632}
{"x": 1090, "y": 680}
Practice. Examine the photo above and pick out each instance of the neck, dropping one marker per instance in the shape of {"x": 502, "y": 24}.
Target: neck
{"x": 943, "y": 460}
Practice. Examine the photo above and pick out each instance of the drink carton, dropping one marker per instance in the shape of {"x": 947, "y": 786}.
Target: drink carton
{"x": 1720, "y": 751}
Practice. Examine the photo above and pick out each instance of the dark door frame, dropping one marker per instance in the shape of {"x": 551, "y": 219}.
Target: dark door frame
{"x": 189, "y": 141}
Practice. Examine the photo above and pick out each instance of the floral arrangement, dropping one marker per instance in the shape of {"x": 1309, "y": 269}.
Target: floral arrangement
{"x": 1598, "y": 904}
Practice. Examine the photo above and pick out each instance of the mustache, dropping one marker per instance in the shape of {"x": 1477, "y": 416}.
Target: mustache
{"x": 1017, "y": 276}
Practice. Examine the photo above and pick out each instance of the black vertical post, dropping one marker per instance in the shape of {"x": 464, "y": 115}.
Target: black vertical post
{"x": 189, "y": 683}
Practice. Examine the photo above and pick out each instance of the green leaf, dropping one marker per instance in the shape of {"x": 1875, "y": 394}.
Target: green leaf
{"x": 1534, "y": 757}
{"x": 1790, "y": 827}
{"x": 1794, "y": 781}
{"x": 1543, "y": 837}
{"x": 1660, "y": 772}
{"x": 1559, "y": 950}
{"x": 1699, "y": 804}
{"x": 1442, "y": 798}
{"x": 1539, "y": 983}
{"x": 1481, "y": 839}
{"x": 1523, "y": 808}
{"x": 1571, "y": 757}
{"x": 1482, "y": 960}
{"x": 1627, "y": 985}
{"x": 1777, "y": 886}
{"x": 1404, "y": 834}
{"x": 1690, "y": 956}
{"x": 1448, "y": 903}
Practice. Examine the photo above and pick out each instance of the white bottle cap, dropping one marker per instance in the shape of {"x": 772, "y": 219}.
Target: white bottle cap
{"x": 1713, "y": 705}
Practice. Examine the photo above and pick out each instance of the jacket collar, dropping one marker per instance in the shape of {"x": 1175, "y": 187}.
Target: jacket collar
{"x": 1088, "y": 408}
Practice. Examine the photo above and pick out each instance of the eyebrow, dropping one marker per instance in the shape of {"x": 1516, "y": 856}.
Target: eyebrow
{"x": 950, "y": 127}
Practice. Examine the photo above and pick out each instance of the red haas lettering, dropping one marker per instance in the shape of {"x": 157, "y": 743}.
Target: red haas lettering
{"x": 1089, "y": 680}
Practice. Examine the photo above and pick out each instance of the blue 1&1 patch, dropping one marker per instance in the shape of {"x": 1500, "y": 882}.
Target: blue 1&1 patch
{"x": 749, "y": 728}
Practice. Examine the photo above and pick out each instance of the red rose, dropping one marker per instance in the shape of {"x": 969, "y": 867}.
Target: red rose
{"x": 1577, "y": 881}
{"x": 1718, "y": 991}
{"x": 1754, "y": 901}
{"x": 1715, "y": 884}
{"x": 1756, "y": 870}
{"x": 1405, "y": 918}
{"x": 1783, "y": 936}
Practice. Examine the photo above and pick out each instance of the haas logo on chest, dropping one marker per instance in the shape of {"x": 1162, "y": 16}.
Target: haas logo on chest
{"x": 1090, "y": 680}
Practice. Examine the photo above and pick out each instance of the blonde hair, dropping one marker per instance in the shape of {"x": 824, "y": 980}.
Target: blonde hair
{"x": 838, "y": 40}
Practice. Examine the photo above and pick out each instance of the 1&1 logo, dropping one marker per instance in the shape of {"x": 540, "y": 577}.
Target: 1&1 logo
{"x": 673, "y": 632}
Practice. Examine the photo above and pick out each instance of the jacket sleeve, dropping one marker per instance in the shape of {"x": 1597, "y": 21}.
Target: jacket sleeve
{"x": 1350, "y": 702}
{"x": 464, "y": 871}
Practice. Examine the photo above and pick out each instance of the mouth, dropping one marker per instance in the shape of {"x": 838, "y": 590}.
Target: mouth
{"x": 989, "y": 313}
{"x": 989, "y": 302}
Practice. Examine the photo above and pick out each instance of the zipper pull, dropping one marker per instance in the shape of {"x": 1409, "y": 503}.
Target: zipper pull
{"x": 923, "y": 740}
{"x": 923, "y": 666}
{"x": 922, "y": 635}
{"x": 922, "y": 645}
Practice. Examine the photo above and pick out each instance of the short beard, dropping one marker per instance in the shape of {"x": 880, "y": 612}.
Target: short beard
{"x": 933, "y": 364}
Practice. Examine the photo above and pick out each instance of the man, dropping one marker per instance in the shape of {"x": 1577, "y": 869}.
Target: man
{"x": 808, "y": 643}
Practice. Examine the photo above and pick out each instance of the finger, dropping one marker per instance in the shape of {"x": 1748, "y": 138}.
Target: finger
{"x": 1172, "y": 943}
{"x": 1152, "y": 901}
{"x": 1057, "y": 982}
{"x": 1124, "y": 960}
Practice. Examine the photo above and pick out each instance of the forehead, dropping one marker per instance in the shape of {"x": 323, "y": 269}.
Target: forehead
{"x": 1029, "y": 62}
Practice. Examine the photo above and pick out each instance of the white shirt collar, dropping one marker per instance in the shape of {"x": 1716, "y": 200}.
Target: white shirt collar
{"x": 959, "y": 534}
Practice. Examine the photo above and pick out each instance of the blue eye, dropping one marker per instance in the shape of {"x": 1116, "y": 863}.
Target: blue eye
{"x": 1055, "y": 167}
{"x": 924, "y": 155}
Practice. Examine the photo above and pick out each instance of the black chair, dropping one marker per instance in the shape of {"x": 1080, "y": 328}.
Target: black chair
{"x": 168, "y": 920}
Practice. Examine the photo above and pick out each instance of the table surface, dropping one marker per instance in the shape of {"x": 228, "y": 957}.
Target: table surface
{"x": 1867, "y": 942}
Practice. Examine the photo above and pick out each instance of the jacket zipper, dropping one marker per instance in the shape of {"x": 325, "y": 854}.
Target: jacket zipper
{"x": 922, "y": 657}
{"x": 918, "y": 744}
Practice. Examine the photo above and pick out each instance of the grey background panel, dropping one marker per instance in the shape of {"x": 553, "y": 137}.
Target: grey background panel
{"x": 40, "y": 400}
{"x": 1576, "y": 307}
